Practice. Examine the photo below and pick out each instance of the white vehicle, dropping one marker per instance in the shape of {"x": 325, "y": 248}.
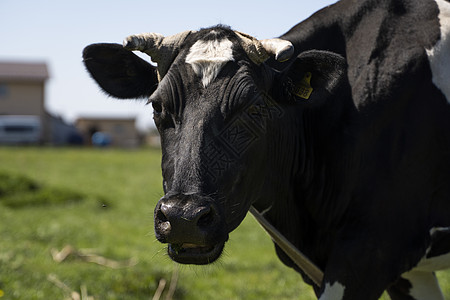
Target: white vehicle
{"x": 20, "y": 129}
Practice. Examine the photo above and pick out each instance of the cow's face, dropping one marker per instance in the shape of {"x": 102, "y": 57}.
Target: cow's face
{"x": 211, "y": 159}
{"x": 215, "y": 111}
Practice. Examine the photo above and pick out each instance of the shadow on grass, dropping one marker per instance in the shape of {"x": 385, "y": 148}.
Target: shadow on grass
{"x": 17, "y": 191}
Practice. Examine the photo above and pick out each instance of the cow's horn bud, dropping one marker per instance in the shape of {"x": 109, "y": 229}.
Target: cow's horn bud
{"x": 254, "y": 49}
{"x": 148, "y": 43}
{"x": 282, "y": 49}
{"x": 162, "y": 50}
{"x": 260, "y": 51}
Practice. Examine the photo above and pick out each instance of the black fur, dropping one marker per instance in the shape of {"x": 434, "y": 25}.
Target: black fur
{"x": 119, "y": 72}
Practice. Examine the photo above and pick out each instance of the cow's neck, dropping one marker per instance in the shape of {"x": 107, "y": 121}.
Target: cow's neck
{"x": 302, "y": 201}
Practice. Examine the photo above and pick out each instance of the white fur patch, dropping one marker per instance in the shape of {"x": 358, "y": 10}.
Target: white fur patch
{"x": 439, "y": 55}
{"x": 436, "y": 263}
{"x": 425, "y": 286}
{"x": 422, "y": 278}
{"x": 208, "y": 57}
{"x": 333, "y": 292}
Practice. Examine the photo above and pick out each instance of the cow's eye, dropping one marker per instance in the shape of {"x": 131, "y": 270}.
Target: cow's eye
{"x": 157, "y": 107}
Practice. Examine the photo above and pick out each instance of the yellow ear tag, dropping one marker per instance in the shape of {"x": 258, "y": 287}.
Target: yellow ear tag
{"x": 304, "y": 89}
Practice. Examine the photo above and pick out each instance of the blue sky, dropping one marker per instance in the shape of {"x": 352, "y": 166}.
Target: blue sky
{"x": 56, "y": 32}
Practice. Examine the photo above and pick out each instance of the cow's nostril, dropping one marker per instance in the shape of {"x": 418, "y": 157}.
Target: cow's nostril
{"x": 165, "y": 227}
{"x": 206, "y": 217}
{"x": 161, "y": 214}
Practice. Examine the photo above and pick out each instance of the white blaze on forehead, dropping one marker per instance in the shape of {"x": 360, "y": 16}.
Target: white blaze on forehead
{"x": 439, "y": 56}
{"x": 208, "y": 57}
{"x": 333, "y": 292}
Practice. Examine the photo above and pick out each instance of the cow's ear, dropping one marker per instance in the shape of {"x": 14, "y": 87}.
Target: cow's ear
{"x": 313, "y": 77}
{"x": 120, "y": 72}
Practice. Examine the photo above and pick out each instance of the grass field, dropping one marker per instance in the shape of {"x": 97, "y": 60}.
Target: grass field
{"x": 103, "y": 211}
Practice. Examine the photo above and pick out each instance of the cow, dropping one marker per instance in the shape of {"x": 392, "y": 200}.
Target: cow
{"x": 337, "y": 133}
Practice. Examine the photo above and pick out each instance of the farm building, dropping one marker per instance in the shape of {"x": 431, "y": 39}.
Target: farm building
{"x": 22, "y": 94}
{"x": 23, "y": 117}
{"x": 117, "y": 132}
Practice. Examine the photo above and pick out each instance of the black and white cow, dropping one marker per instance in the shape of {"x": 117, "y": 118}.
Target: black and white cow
{"x": 338, "y": 132}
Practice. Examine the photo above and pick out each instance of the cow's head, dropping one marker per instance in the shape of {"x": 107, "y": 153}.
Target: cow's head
{"x": 217, "y": 106}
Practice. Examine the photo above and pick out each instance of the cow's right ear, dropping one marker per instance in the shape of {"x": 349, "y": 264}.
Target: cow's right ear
{"x": 120, "y": 72}
{"x": 313, "y": 77}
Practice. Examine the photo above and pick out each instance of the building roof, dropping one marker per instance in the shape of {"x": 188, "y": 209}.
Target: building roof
{"x": 23, "y": 71}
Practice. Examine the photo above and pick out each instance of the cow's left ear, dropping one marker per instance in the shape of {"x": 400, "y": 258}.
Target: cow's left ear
{"x": 313, "y": 77}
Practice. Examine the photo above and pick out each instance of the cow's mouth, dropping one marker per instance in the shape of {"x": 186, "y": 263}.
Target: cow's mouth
{"x": 195, "y": 254}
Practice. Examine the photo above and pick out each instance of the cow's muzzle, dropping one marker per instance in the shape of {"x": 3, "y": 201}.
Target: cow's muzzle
{"x": 193, "y": 227}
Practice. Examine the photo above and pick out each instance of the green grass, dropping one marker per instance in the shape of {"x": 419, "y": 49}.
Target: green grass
{"x": 18, "y": 191}
{"x": 101, "y": 201}
{"x": 116, "y": 193}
